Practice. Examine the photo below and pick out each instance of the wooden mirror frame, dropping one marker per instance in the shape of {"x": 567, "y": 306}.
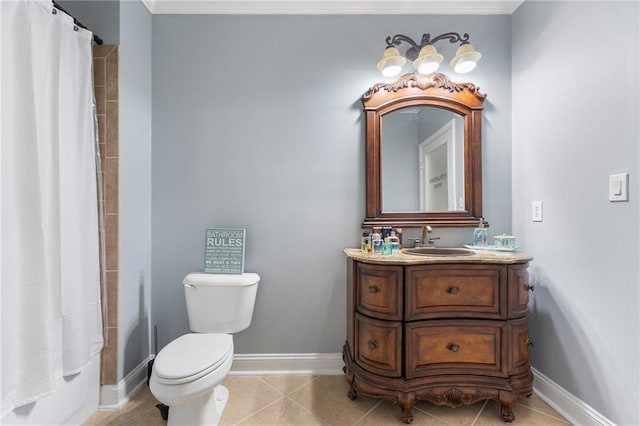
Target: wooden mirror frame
{"x": 419, "y": 90}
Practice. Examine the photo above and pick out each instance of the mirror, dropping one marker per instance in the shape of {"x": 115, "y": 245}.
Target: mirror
{"x": 422, "y": 161}
{"x": 423, "y": 152}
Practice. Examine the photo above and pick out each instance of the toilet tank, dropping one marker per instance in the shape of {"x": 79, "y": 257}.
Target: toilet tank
{"x": 219, "y": 303}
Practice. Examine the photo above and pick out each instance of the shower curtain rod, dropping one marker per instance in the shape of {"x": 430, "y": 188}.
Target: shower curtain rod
{"x": 97, "y": 39}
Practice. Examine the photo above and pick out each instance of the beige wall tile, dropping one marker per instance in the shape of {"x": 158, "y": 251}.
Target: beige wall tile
{"x": 111, "y": 186}
{"x": 111, "y": 75}
{"x": 111, "y": 242}
{"x": 100, "y": 100}
{"x": 106, "y": 82}
{"x": 112, "y": 299}
{"x": 111, "y": 128}
{"x": 101, "y": 128}
{"x": 103, "y": 152}
{"x": 102, "y": 51}
{"x": 98, "y": 72}
{"x": 110, "y": 358}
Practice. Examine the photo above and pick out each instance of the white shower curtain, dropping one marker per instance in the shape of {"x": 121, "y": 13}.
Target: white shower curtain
{"x": 50, "y": 271}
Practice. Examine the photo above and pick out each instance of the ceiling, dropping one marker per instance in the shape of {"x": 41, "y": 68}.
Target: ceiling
{"x": 334, "y": 7}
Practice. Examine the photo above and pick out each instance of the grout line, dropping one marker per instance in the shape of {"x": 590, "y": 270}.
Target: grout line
{"x": 313, "y": 379}
{"x": 270, "y": 385}
{"x": 480, "y": 412}
{"x": 260, "y": 409}
{"x": 415, "y": 407}
{"x": 559, "y": 417}
{"x": 306, "y": 409}
{"x": 368, "y": 412}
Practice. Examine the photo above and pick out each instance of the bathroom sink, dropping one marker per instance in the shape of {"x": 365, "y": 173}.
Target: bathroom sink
{"x": 433, "y": 251}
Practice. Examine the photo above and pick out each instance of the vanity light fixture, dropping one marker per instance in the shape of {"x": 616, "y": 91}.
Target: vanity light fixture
{"x": 425, "y": 56}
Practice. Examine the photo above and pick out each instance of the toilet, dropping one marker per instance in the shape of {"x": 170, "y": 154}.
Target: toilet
{"x": 188, "y": 371}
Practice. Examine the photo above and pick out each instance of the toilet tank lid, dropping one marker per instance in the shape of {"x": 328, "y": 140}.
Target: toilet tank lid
{"x": 200, "y": 279}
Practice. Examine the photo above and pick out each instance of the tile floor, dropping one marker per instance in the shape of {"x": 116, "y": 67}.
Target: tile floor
{"x": 322, "y": 400}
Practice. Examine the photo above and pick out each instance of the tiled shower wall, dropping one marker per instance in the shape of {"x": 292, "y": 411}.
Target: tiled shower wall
{"x": 105, "y": 69}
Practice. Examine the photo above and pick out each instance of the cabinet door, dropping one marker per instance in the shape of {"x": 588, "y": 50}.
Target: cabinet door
{"x": 456, "y": 347}
{"x": 519, "y": 341}
{"x": 379, "y": 346}
{"x": 461, "y": 291}
{"x": 379, "y": 291}
{"x": 518, "y": 290}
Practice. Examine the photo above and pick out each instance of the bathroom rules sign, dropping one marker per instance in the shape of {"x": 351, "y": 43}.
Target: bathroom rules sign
{"x": 224, "y": 251}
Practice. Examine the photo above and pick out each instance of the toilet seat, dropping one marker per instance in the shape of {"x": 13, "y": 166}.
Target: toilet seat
{"x": 192, "y": 356}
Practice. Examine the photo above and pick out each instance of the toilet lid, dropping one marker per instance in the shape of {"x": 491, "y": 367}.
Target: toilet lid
{"x": 192, "y": 356}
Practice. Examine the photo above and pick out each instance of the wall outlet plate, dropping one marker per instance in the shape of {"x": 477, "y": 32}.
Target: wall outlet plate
{"x": 619, "y": 187}
{"x": 536, "y": 211}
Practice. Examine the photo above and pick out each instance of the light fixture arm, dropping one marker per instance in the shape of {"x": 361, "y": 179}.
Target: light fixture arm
{"x": 414, "y": 50}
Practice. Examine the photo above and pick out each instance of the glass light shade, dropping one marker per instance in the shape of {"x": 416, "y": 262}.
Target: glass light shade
{"x": 466, "y": 59}
{"x": 428, "y": 60}
{"x": 391, "y": 63}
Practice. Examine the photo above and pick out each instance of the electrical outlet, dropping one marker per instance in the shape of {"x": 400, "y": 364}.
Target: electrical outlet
{"x": 536, "y": 211}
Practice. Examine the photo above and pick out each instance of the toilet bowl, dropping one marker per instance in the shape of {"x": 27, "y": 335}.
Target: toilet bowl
{"x": 188, "y": 372}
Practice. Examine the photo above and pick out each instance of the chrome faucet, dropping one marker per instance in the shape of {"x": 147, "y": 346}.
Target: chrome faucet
{"x": 425, "y": 241}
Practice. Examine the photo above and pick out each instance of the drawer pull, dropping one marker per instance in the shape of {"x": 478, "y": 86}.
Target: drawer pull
{"x": 453, "y": 347}
{"x": 452, "y": 290}
{"x": 529, "y": 342}
{"x": 529, "y": 287}
{"x": 372, "y": 345}
{"x": 373, "y": 289}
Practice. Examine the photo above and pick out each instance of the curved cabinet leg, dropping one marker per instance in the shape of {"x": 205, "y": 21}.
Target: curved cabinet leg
{"x": 353, "y": 393}
{"x": 507, "y": 401}
{"x": 407, "y": 415}
{"x": 406, "y": 402}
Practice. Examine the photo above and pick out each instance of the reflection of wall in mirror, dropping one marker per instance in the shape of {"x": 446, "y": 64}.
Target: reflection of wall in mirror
{"x": 401, "y": 133}
{"x": 399, "y": 164}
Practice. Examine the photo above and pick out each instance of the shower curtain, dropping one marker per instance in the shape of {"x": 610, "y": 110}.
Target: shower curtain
{"x": 50, "y": 270}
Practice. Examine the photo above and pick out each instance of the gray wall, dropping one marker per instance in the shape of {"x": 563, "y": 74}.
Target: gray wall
{"x": 575, "y": 122}
{"x": 257, "y": 123}
{"x": 100, "y": 16}
{"x": 134, "y": 187}
{"x": 400, "y": 162}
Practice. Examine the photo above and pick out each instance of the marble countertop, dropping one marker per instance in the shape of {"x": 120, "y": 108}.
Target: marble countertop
{"x": 480, "y": 256}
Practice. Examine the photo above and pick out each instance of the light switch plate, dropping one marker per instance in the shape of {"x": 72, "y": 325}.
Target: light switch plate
{"x": 619, "y": 187}
{"x": 536, "y": 211}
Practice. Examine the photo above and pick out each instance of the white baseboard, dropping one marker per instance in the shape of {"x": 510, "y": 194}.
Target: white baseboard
{"x": 114, "y": 397}
{"x": 287, "y": 364}
{"x": 573, "y": 409}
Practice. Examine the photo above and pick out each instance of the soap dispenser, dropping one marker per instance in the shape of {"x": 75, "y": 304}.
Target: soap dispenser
{"x": 480, "y": 234}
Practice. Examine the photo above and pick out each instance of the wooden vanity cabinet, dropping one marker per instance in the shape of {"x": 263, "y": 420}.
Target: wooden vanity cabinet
{"x": 448, "y": 333}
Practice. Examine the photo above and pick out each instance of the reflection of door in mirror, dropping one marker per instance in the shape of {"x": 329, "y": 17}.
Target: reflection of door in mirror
{"x": 404, "y": 183}
{"x": 441, "y": 178}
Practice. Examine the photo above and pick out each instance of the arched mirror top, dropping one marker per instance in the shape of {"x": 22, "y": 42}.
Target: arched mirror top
{"x": 423, "y": 152}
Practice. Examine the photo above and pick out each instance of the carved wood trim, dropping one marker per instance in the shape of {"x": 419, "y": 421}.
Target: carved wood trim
{"x": 435, "y": 84}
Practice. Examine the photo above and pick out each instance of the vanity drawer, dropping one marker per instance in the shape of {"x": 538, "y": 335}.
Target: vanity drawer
{"x": 456, "y": 347}
{"x": 379, "y": 345}
{"x": 379, "y": 290}
{"x": 463, "y": 291}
